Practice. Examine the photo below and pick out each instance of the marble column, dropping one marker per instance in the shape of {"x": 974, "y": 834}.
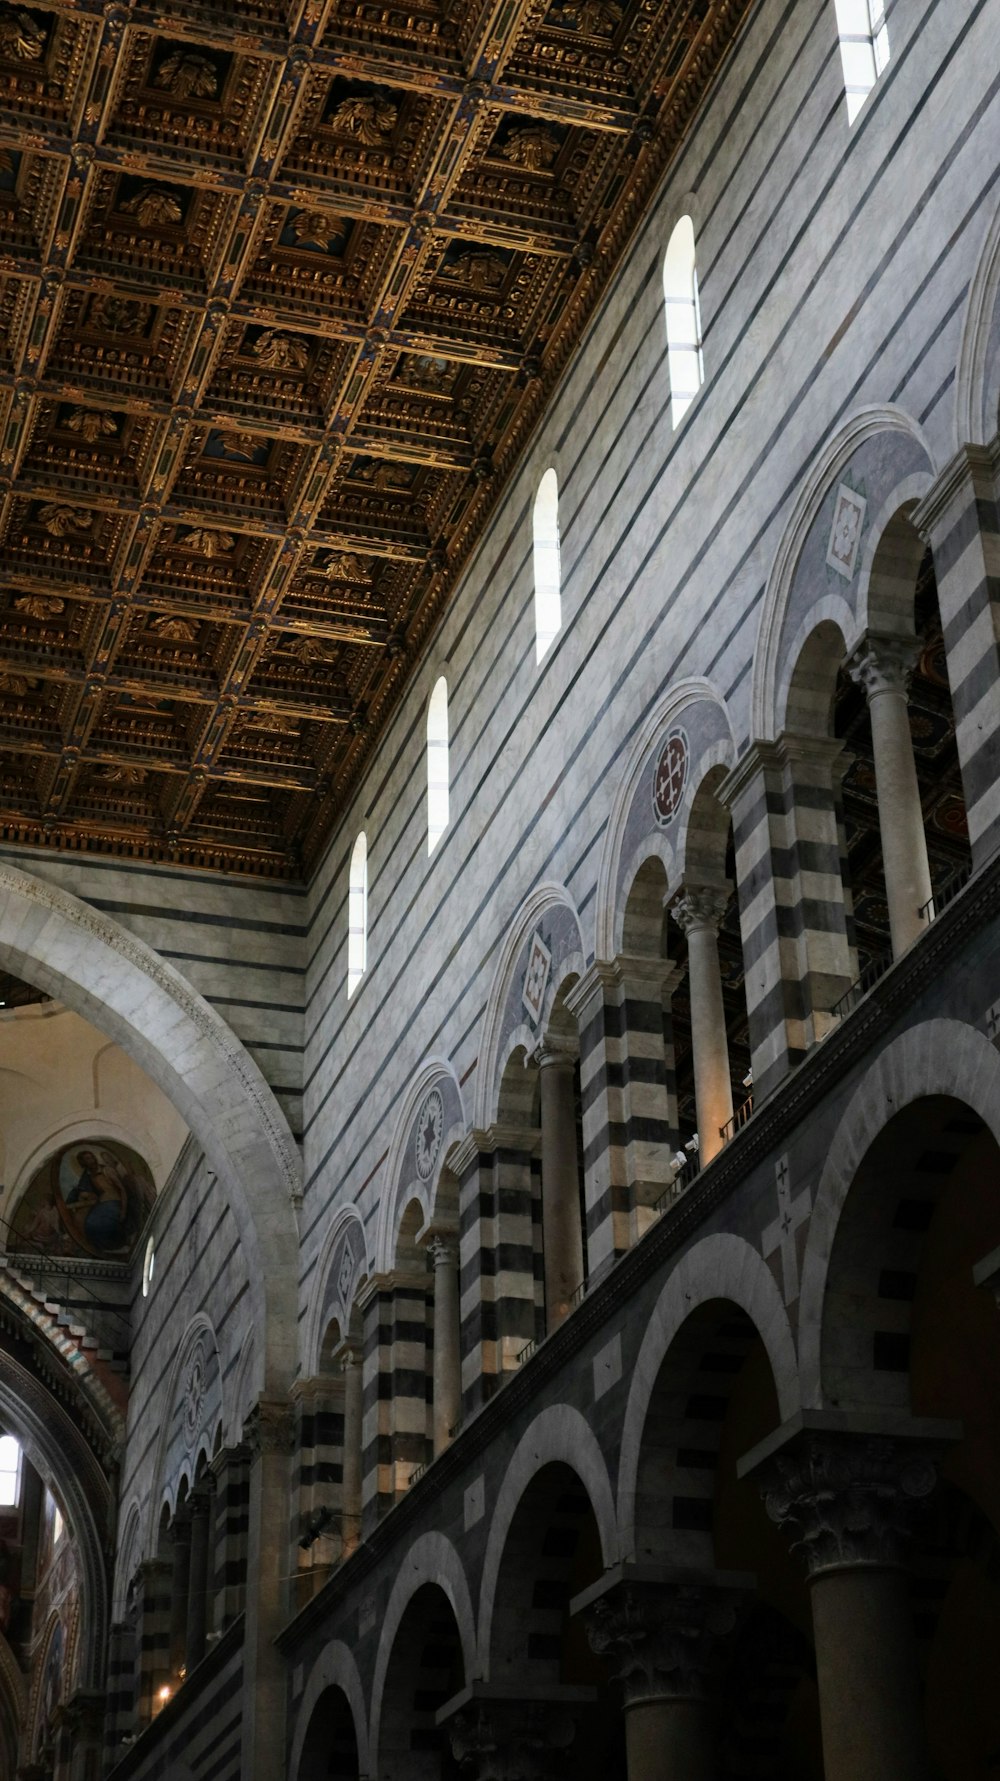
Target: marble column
{"x": 269, "y": 1434}
{"x": 882, "y": 665}
{"x": 562, "y": 1235}
{"x": 199, "y": 1571}
{"x": 180, "y": 1574}
{"x": 699, "y": 911}
{"x": 350, "y": 1476}
{"x": 847, "y": 1502}
{"x": 663, "y": 1641}
{"x": 447, "y": 1355}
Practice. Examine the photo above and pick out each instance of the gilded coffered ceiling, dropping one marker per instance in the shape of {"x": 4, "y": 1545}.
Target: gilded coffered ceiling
{"x": 284, "y": 285}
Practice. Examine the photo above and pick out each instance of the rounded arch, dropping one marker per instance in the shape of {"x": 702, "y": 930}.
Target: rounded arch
{"x": 121, "y": 985}
{"x": 326, "y": 1296}
{"x": 939, "y": 1057}
{"x": 719, "y": 1267}
{"x": 498, "y": 1040}
{"x": 402, "y": 1187}
{"x": 890, "y": 561}
{"x": 608, "y": 916}
{"x": 977, "y": 389}
{"x": 560, "y": 1434}
{"x": 65, "y": 1461}
{"x": 431, "y": 1559}
{"x": 808, "y": 684}
{"x": 827, "y": 466}
{"x": 335, "y": 1667}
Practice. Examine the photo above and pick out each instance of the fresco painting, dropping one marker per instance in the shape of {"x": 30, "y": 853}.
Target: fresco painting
{"x": 91, "y": 1198}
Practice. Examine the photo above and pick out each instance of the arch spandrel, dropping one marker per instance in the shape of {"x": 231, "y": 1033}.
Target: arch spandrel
{"x": 875, "y": 464}
{"x": 126, "y": 990}
{"x": 687, "y": 734}
{"x": 543, "y": 949}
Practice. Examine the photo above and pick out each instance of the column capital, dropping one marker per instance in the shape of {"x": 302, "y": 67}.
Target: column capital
{"x": 515, "y": 1736}
{"x": 662, "y": 1629}
{"x": 270, "y": 1428}
{"x": 443, "y": 1249}
{"x": 883, "y": 664}
{"x": 502, "y": 1136}
{"x": 847, "y": 1499}
{"x": 975, "y": 468}
{"x": 607, "y": 980}
{"x": 700, "y": 906}
{"x": 552, "y": 1054}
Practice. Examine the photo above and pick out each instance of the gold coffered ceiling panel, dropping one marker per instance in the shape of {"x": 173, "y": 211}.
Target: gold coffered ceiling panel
{"x": 283, "y": 290}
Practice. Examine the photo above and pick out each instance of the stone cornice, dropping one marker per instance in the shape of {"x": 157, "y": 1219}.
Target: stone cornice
{"x": 769, "y": 1128}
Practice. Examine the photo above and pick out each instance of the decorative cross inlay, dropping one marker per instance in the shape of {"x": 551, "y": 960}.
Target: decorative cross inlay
{"x": 993, "y": 1023}
{"x": 781, "y": 1234}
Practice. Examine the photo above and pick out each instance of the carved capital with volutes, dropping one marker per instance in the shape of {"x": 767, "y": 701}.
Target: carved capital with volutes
{"x": 663, "y": 1641}
{"x": 847, "y": 1501}
{"x": 883, "y": 664}
{"x": 700, "y": 906}
{"x": 510, "y": 1740}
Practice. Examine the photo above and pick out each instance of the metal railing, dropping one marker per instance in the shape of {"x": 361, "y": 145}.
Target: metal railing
{"x": 527, "y": 1351}
{"x": 738, "y": 1121}
{"x": 680, "y": 1183}
{"x": 936, "y": 904}
{"x": 875, "y": 968}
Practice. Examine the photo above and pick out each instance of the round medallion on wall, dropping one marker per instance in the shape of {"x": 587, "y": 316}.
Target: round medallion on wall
{"x": 194, "y": 1395}
{"x": 430, "y": 1126}
{"x": 670, "y": 778}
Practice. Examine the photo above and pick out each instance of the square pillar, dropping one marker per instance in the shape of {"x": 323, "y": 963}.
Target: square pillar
{"x": 960, "y": 518}
{"x": 785, "y": 797}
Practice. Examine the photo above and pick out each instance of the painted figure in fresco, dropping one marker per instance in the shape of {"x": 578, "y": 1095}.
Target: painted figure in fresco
{"x": 89, "y": 1199}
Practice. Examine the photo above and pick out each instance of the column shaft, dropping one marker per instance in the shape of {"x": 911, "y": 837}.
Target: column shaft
{"x": 866, "y": 1670}
{"x": 880, "y": 666}
{"x": 447, "y": 1358}
{"x": 669, "y": 1740}
{"x": 201, "y": 1508}
{"x": 699, "y": 912}
{"x": 350, "y": 1487}
{"x": 562, "y": 1236}
{"x": 180, "y": 1535}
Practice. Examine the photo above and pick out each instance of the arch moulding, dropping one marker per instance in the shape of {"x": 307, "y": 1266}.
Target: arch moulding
{"x": 335, "y": 1667}
{"x": 390, "y": 1204}
{"x": 431, "y": 1559}
{"x": 559, "y": 1435}
{"x": 828, "y": 465}
{"x": 722, "y": 1266}
{"x": 536, "y": 903}
{"x": 977, "y": 389}
{"x": 126, "y": 990}
{"x": 939, "y": 1057}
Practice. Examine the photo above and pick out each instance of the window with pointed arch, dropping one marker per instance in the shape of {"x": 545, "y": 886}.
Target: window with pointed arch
{"x": 545, "y": 531}
{"x": 357, "y": 914}
{"x": 437, "y": 763}
{"x": 864, "y": 48}
{"x": 685, "y": 360}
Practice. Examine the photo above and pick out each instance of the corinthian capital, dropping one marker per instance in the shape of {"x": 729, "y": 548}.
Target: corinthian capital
{"x": 700, "y": 906}
{"x": 510, "y": 1740}
{"x": 847, "y": 1500}
{"x": 270, "y": 1427}
{"x": 663, "y": 1639}
{"x": 883, "y": 664}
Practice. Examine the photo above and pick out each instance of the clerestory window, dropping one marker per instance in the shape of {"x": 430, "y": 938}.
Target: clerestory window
{"x": 864, "y": 48}
{"x": 685, "y": 360}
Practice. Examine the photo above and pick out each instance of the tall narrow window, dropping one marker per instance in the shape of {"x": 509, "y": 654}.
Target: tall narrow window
{"x": 680, "y": 299}
{"x": 548, "y": 601}
{"x": 864, "y": 48}
{"x": 437, "y": 764}
{"x": 357, "y": 915}
{"x": 10, "y": 1471}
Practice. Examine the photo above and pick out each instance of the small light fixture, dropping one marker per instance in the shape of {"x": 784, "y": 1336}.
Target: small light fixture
{"x": 748, "y": 1079}
{"x": 693, "y": 1144}
{"x": 679, "y": 1161}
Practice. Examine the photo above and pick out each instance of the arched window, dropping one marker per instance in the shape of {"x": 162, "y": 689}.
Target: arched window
{"x": 357, "y": 915}
{"x": 437, "y": 764}
{"x": 10, "y": 1471}
{"x": 548, "y": 601}
{"x": 864, "y": 48}
{"x": 680, "y": 300}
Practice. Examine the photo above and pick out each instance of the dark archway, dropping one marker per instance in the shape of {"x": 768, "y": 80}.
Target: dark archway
{"x": 425, "y": 1670}
{"x": 330, "y": 1748}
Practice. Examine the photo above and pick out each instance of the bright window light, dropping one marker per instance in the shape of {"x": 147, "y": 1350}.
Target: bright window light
{"x": 10, "y": 1471}
{"x": 548, "y": 600}
{"x": 864, "y": 48}
{"x": 148, "y": 1264}
{"x": 685, "y": 359}
{"x": 357, "y": 915}
{"x": 437, "y": 764}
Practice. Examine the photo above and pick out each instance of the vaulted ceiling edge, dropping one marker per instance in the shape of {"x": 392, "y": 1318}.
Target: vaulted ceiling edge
{"x": 284, "y": 288}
